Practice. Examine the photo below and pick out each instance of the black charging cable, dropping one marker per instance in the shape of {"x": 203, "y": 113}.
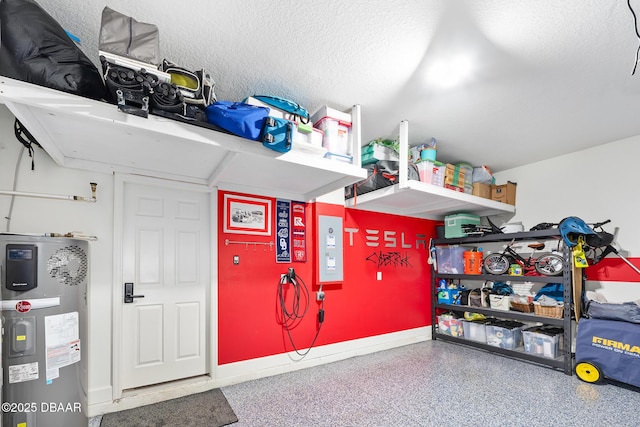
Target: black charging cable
{"x": 299, "y": 307}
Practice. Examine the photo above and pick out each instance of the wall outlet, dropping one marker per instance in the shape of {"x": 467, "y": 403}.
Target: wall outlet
{"x": 319, "y": 296}
{"x": 379, "y": 275}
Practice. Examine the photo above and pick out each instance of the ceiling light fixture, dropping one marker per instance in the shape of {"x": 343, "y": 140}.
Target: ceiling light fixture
{"x": 449, "y": 72}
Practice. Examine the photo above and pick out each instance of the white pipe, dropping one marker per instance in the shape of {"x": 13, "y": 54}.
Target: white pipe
{"x": 91, "y": 199}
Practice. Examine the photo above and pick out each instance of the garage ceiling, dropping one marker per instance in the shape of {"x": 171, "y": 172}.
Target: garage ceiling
{"x": 497, "y": 82}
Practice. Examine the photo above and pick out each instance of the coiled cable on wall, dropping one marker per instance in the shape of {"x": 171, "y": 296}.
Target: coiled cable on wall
{"x": 292, "y": 317}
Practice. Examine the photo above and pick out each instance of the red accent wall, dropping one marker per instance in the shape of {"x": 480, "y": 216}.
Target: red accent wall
{"x": 248, "y": 309}
{"x": 613, "y": 269}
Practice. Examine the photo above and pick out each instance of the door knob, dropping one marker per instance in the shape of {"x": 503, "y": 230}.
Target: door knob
{"x": 128, "y": 293}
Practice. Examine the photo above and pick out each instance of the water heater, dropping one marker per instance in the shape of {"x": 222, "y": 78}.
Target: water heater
{"x": 44, "y": 317}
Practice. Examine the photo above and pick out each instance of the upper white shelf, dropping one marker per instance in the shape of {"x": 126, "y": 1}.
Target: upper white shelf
{"x": 418, "y": 199}
{"x": 82, "y": 133}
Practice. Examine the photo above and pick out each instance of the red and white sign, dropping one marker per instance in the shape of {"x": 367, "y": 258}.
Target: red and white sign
{"x": 23, "y": 306}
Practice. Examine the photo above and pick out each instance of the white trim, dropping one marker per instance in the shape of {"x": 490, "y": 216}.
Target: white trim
{"x": 118, "y": 226}
{"x": 212, "y": 312}
{"x": 238, "y": 372}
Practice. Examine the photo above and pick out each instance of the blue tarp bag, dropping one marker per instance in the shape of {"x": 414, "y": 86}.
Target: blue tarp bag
{"x": 238, "y": 118}
{"x": 612, "y": 346}
{"x": 626, "y": 312}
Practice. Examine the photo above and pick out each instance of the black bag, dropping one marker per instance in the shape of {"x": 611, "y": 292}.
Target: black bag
{"x": 36, "y": 49}
{"x": 278, "y": 134}
{"x": 130, "y": 89}
{"x": 381, "y": 174}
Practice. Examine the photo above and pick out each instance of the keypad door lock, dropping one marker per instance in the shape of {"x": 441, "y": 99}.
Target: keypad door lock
{"x": 128, "y": 293}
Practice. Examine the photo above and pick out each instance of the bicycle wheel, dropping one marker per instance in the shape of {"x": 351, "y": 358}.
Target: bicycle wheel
{"x": 496, "y": 263}
{"x": 549, "y": 264}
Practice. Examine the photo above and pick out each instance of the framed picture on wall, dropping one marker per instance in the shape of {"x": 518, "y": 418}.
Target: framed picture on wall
{"x": 247, "y": 215}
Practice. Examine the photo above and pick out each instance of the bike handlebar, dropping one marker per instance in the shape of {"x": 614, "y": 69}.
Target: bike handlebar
{"x": 600, "y": 224}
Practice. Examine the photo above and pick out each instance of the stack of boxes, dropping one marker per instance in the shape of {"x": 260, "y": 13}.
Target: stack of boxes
{"x": 461, "y": 177}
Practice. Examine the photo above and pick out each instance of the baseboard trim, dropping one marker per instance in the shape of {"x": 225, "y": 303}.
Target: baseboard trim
{"x": 238, "y": 372}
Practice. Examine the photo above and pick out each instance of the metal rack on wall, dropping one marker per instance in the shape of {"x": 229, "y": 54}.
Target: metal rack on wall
{"x": 565, "y": 357}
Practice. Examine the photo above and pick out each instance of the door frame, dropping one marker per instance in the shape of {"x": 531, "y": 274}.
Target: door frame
{"x": 211, "y": 303}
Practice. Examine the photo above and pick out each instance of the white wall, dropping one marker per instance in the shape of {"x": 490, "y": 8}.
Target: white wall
{"x": 595, "y": 185}
{"x": 34, "y": 215}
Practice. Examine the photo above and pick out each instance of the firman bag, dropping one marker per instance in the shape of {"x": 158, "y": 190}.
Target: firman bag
{"x": 238, "y": 118}
{"x": 277, "y": 134}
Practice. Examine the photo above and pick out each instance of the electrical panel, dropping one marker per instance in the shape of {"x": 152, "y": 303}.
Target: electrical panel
{"x": 330, "y": 249}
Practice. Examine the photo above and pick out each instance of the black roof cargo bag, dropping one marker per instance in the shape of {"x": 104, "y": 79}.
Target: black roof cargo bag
{"x": 34, "y": 48}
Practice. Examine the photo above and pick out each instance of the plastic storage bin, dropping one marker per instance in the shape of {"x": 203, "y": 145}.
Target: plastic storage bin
{"x": 308, "y": 135}
{"x": 431, "y": 172}
{"x": 336, "y": 135}
{"x": 374, "y": 152}
{"x": 543, "y": 341}
{"x": 450, "y": 259}
{"x": 475, "y": 330}
{"x": 449, "y": 325}
{"x": 505, "y": 334}
{"x": 449, "y": 295}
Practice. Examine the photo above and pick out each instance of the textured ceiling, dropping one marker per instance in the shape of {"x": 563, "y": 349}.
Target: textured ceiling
{"x": 542, "y": 77}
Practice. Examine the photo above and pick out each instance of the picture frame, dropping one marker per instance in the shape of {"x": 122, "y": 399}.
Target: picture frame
{"x": 247, "y": 215}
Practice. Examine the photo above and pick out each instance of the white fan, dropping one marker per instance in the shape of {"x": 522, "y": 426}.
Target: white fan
{"x": 68, "y": 265}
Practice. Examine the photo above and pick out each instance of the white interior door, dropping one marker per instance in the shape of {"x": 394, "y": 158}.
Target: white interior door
{"x": 165, "y": 253}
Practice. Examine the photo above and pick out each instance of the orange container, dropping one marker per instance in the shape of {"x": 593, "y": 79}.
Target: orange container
{"x": 472, "y": 262}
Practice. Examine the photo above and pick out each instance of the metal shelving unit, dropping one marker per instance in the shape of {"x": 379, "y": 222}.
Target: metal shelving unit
{"x": 565, "y": 359}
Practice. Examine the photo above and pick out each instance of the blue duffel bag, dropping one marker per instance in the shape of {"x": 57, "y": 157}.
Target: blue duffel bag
{"x": 238, "y": 118}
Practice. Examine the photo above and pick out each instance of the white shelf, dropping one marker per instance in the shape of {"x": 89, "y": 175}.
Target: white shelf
{"x": 82, "y": 133}
{"x": 422, "y": 200}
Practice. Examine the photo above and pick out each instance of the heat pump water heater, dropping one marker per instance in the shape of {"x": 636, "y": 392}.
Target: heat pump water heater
{"x": 44, "y": 317}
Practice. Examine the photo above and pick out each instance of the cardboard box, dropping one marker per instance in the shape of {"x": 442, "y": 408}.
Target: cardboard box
{"x": 505, "y": 193}
{"x": 454, "y": 188}
{"x": 481, "y": 189}
{"x": 454, "y": 175}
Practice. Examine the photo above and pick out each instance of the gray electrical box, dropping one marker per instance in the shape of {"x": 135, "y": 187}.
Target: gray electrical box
{"x": 330, "y": 249}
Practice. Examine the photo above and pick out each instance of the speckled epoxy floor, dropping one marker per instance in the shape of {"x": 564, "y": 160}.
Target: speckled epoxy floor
{"x": 434, "y": 383}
